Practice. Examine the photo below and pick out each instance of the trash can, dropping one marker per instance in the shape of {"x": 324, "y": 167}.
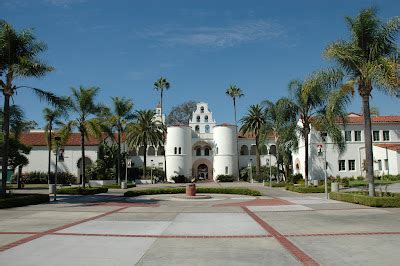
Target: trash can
{"x": 334, "y": 187}
{"x": 315, "y": 182}
{"x": 191, "y": 190}
{"x": 52, "y": 189}
{"x": 124, "y": 185}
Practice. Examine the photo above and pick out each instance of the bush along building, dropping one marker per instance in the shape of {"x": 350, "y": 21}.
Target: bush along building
{"x": 350, "y": 163}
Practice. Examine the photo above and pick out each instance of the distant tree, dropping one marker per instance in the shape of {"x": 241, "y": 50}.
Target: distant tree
{"x": 29, "y": 125}
{"x": 181, "y": 114}
{"x": 371, "y": 59}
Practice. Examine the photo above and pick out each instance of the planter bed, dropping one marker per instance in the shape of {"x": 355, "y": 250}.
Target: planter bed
{"x": 18, "y": 200}
{"x": 116, "y": 186}
{"x": 81, "y": 190}
{"x": 240, "y": 191}
{"x": 100, "y": 183}
{"x": 302, "y": 189}
{"x": 362, "y": 198}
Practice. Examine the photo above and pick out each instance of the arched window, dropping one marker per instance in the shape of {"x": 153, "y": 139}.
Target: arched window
{"x": 141, "y": 151}
{"x": 197, "y": 129}
{"x": 207, "y": 151}
{"x": 244, "y": 150}
{"x": 264, "y": 150}
{"x": 175, "y": 150}
{"x": 180, "y": 150}
{"x": 253, "y": 150}
{"x": 272, "y": 149}
{"x": 198, "y": 151}
{"x": 206, "y": 118}
{"x": 198, "y": 119}
{"x": 160, "y": 151}
{"x": 226, "y": 170}
{"x": 151, "y": 151}
{"x": 202, "y": 109}
{"x": 207, "y": 129}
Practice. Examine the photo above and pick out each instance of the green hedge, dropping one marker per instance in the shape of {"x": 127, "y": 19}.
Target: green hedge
{"x": 275, "y": 184}
{"x": 18, "y": 200}
{"x": 116, "y": 186}
{"x": 81, "y": 190}
{"x": 301, "y": 189}
{"x": 225, "y": 178}
{"x": 362, "y": 198}
{"x": 240, "y": 191}
{"x": 37, "y": 177}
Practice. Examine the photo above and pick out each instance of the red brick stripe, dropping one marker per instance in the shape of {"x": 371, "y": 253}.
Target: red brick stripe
{"x": 163, "y": 236}
{"x": 300, "y": 255}
{"x": 344, "y": 234}
{"x": 51, "y": 231}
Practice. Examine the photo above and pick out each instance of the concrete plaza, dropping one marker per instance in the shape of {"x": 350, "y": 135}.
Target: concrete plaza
{"x": 279, "y": 228}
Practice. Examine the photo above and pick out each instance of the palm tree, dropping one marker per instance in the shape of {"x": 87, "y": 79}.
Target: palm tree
{"x": 235, "y": 92}
{"x": 371, "y": 59}
{"x": 51, "y": 116}
{"x": 144, "y": 132}
{"x": 253, "y": 123}
{"x": 317, "y": 104}
{"x": 82, "y": 102}
{"x": 19, "y": 51}
{"x": 119, "y": 118}
{"x": 160, "y": 85}
{"x": 279, "y": 121}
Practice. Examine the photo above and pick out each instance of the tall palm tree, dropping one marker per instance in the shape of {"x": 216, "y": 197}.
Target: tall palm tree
{"x": 120, "y": 116}
{"x": 143, "y": 132}
{"x": 82, "y": 103}
{"x": 318, "y": 104}
{"x": 371, "y": 59}
{"x": 52, "y": 117}
{"x": 235, "y": 92}
{"x": 160, "y": 85}
{"x": 253, "y": 123}
{"x": 19, "y": 51}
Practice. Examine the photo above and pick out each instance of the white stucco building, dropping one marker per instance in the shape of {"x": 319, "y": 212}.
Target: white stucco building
{"x": 202, "y": 149}
{"x": 386, "y": 149}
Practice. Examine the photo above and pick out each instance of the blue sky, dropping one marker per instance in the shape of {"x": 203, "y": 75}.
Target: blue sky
{"x": 200, "y": 46}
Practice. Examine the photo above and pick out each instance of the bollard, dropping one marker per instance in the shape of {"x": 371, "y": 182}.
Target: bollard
{"x": 334, "y": 187}
{"x": 124, "y": 185}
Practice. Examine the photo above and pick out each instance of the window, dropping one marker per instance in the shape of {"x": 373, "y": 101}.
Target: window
{"x": 342, "y": 165}
{"x": 357, "y": 135}
{"x": 202, "y": 109}
{"x": 160, "y": 151}
{"x": 226, "y": 170}
{"x": 151, "y": 151}
{"x": 61, "y": 155}
{"x": 180, "y": 150}
{"x": 347, "y": 135}
{"x": 244, "y": 150}
{"x": 198, "y": 119}
{"x": 175, "y": 150}
{"x": 141, "y": 151}
{"x": 197, "y": 129}
{"x": 386, "y": 135}
{"x": 352, "y": 165}
{"x": 206, "y": 118}
{"x": 380, "y": 165}
{"x": 324, "y": 136}
{"x": 387, "y": 164}
{"x": 198, "y": 152}
{"x": 207, "y": 151}
{"x": 207, "y": 129}
{"x": 253, "y": 150}
{"x": 161, "y": 165}
{"x": 375, "y": 135}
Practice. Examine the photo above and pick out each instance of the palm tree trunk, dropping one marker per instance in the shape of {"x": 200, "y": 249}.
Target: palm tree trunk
{"x": 162, "y": 122}
{"x": 258, "y": 160}
{"x": 119, "y": 158}
{"x": 237, "y": 141}
{"x": 277, "y": 158}
{"x": 6, "y": 133}
{"x": 369, "y": 157}
{"x": 144, "y": 160}
{"x": 83, "y": 163}
{"x": 49, "y": 143}
{"x": 306, "y": 157}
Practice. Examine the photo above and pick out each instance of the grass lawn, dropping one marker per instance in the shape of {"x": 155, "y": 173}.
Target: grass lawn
{"x": 360, "y": 183}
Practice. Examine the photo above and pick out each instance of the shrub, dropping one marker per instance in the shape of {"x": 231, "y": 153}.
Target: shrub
{"x": 264, "y": 173}
{"x": 116, "y": 186}
{"x": 391, "y": 177}
{"x": 225, "y": 178}
{"x": 18, "y": 200}
{"x": 295, "y": 178}
{"x": 275, "y": 184}
{"x": 301, "y": 189}
{"x": 82, "y": 191}
{"x": 240, "y": 191}
{"x": 393, "y": 200}
{"x": 38, "y": 177}
{"x": 179, "y": 179}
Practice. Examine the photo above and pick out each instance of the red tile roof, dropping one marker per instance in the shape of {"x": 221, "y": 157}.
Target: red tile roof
{"x": 390, "y": 146}
{"x": 39, "y": 139}
{"x": 374, "y": 119}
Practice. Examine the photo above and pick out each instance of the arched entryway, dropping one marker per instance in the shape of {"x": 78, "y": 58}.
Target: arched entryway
{"x": 88, "y": 163}
{"x": 202, "y": 169}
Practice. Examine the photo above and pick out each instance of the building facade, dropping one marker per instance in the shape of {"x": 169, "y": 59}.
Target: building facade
{"x": 350, "y": 163}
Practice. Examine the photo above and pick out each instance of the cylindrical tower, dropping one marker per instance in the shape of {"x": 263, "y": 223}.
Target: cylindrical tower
{"x": 225, "y": 151}
{"x": 178, "y": 151}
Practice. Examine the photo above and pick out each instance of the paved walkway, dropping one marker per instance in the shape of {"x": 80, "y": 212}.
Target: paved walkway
{"x": 280, "y": 228}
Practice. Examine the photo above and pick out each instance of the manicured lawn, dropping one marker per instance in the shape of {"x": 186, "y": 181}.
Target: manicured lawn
{"x": 18, "y": 200}
{"x": 362, "y": 198}
{"x": 360, "y": 183}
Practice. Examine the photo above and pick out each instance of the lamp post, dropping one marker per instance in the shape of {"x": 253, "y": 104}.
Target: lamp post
{"x": 57, "y": 139}
{"x": 251, "y": 170}
{"x": 151, "y": 171}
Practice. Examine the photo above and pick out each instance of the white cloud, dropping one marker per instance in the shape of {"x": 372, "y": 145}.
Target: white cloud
{"x": 219, "y": 36}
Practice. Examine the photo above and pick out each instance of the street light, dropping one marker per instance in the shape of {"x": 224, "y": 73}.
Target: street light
{"x": 251, "y": 170}
{"x": 151, "y": 171}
